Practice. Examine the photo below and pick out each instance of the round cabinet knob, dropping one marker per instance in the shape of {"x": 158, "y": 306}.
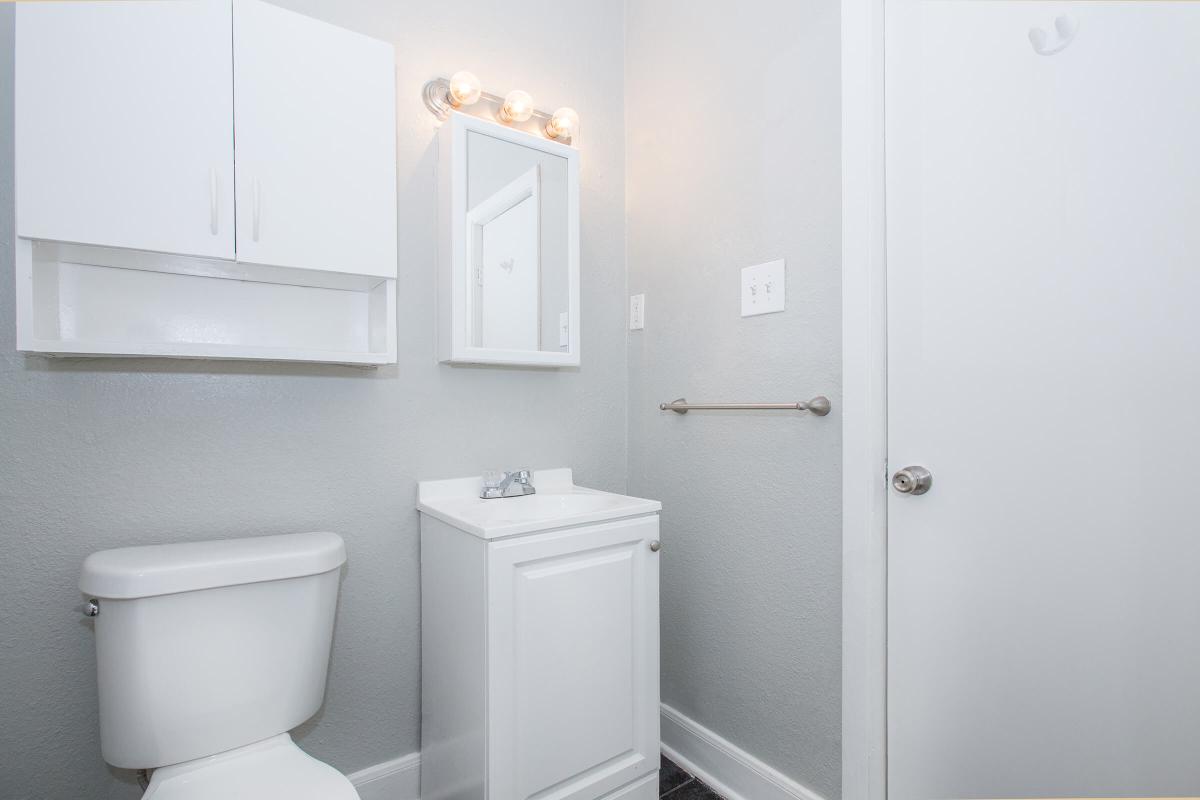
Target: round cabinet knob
{"x": 655, "y": 546}
{"x": 912, "y": 480}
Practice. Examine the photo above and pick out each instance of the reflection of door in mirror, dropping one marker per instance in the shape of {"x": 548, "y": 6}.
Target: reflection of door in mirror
{"x": 506, "y": 266}
{"x": 517, "y": 238}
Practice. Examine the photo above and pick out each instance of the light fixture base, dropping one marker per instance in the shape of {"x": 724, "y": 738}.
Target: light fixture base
{"x": 437, "y": 98}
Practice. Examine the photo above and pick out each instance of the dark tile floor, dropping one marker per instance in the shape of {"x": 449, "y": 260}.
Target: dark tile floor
{"x": 678, "y": 784}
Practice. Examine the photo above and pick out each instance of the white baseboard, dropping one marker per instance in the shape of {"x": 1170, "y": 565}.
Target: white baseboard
{"x": 398, "y": 779}
{"x": 730, "y": 771}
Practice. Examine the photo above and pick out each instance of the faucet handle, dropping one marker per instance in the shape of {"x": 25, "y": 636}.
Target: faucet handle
{"x": 522, "y": 475}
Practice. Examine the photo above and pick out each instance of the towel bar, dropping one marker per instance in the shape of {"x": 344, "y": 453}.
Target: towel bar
{"x": 819, "y": 405}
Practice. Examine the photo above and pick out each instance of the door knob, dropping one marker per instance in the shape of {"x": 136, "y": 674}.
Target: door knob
{"x": 912, "y": 480}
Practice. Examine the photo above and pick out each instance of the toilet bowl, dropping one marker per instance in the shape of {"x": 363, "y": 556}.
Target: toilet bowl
{"x": 207, "y": 654}
{"x": 275, "y": 768}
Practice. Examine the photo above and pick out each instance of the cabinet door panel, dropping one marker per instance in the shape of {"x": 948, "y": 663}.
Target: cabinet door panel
{"x": 573, "y": 680}
{"x": 124, "y": 124}
{"x": 315, "y": 121}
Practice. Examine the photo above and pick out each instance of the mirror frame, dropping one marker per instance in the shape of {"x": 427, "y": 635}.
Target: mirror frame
{"x": 455, "y": 309}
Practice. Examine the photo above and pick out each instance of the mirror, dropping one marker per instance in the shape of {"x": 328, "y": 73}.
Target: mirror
{"x": 512, "y": 209}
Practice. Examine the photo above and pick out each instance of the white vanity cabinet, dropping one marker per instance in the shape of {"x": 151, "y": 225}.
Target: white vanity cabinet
{"x": 203, "y": 179}
{"x": 539, "y": 625}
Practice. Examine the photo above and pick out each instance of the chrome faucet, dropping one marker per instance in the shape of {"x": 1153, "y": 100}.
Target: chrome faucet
{"x": 498, "y": 484}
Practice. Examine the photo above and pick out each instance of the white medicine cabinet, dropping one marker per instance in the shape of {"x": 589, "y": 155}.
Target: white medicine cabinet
{"x": 203, "y": 178}
{"x": 508, "y": 281}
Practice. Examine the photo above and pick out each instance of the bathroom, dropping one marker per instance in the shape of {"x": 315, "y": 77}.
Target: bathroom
{"x": 794, "y": 647}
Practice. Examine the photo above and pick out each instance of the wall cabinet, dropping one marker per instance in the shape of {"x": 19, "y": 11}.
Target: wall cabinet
{"x": 142, "y": 125}
{"x": 315, "y": 121}
{"x": 508, "y": 216}
{"x": 124, "y": 125}
{"x": 540, "y": 661}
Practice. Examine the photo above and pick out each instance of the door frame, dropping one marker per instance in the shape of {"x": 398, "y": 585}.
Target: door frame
{"x": 864, "y": 404}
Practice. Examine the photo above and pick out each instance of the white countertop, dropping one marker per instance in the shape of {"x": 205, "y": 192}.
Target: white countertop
{"x": 558, "y": 503}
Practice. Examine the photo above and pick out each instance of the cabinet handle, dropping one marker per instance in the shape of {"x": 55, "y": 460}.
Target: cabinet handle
{"x": 212, "y": 201}
{"x": 256, "y": 202}
{"x": 655, "y": 546}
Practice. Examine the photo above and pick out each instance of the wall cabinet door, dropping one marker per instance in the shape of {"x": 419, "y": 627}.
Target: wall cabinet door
{"x": 315, "y": 125}
{"x": 573, "y": 661}
{"x": 123, "y": 125}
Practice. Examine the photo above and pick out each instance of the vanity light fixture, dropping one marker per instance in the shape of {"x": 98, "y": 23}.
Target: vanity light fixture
{"x": 463, "y": 89}
{"x": 564, "y": 124}
{"x": 518, "y": 107}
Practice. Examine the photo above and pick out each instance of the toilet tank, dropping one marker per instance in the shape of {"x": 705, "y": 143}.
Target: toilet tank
{"x": 202, "y": 647}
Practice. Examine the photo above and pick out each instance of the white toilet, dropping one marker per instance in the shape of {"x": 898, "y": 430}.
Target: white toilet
{"x": 208, "y": 653}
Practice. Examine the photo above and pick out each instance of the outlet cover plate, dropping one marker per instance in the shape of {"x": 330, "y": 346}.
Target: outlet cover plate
{"x": 764, "y": 288}
{"x": 637, "y": 312}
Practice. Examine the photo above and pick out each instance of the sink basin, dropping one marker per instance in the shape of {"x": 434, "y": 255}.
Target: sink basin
{"x": 559, "y": 503}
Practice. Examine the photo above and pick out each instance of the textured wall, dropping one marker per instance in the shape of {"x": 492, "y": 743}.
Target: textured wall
{"x": 101, "y": 453}
{"x": 733, "y": 159}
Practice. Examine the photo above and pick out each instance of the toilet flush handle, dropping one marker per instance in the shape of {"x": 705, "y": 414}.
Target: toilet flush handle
{"x": 91, "y": 608}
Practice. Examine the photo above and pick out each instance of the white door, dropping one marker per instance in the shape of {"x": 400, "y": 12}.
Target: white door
{"x": 573, "y": 676}
{"x": 124, "y": 125}
{"x": 1044, "y": 364}
{"x": 315, "y": 121}
{"x": 507, "y": 286}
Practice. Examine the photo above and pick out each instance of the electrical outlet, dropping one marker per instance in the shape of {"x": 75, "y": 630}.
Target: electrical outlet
{"x": 637, "y": 312}
{"x": 764, "y": 288}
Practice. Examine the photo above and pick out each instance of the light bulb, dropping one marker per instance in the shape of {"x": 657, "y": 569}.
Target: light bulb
{"x": 563, "y": 125}
{"x": 464, "y": 89}
{"x": 518, "y": 107}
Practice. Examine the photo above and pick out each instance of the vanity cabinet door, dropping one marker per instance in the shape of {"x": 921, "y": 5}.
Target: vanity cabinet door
{"x": 315, "y": 121}
{"x": 573, "y": 661}
{"x": 124, "y": 125}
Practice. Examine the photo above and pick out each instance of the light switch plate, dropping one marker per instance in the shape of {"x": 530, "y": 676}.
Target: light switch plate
{"x": 564, "y": 330}
{"x": 764, "y": 288}
{"x": 637, "y": 312}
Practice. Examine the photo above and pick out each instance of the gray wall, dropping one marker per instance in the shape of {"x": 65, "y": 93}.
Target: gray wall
{"x": 733, "y": 159}
{"x": 101, "y": 453}
{"x": 741, "y": 168}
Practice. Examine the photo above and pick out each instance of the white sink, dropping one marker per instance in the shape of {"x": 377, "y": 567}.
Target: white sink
{"x": 559, "y": 503}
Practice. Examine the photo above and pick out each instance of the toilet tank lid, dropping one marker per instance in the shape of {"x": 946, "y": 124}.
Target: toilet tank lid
{"x": 131, "y": 572}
